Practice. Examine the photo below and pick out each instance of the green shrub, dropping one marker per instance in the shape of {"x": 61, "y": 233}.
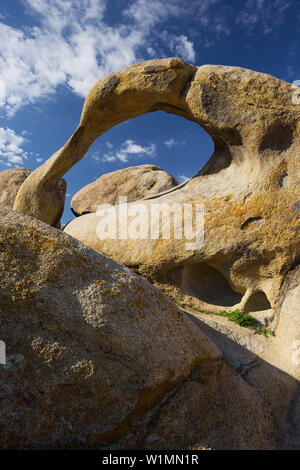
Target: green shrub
{"x": 246, "y": 320}
{"x": 239, "y": 317}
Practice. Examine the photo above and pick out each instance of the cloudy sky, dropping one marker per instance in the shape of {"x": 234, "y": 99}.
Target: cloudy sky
{"x": 53, "y": 51}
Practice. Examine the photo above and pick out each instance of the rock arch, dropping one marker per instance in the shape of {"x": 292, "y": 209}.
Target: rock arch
{"x": 218, "y": 98}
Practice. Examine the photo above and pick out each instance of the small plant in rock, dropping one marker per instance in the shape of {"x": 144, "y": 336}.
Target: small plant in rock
{"x": 239, "y": 317}
{"x": 247, "y": 321}
{"x": 179, "y": 304}
{"x": 264, "y": 331}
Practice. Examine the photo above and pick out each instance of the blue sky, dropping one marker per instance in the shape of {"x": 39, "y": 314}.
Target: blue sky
{"x": 53, "y": 51}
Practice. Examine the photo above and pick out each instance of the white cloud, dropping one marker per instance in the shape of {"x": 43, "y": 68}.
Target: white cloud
{"x": 147, "y": 13}
{"x": 170, "y": 143}
{"x": 263, "y": 13}
{"x": 130, "y": 147}
{"x": 183, "y": 47}
{"x": 151, "y": 51}
{"x": 181, "y": 178}
{"x": 108, "y": 158}
{"x": 129, "y": 150}
{"x": 96, "y": 156}
{"x": 11, "y": 151}
{"x": 72, "y": 44}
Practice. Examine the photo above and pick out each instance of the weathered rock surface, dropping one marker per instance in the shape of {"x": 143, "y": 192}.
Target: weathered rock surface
{"x": 250, "y": 192}
{"x": 249, "y": 187}
{"x": 11, "y": 180}
{"x": 256, "y": 358}
{"x": 135, "y": 182}
{"x": 96, "y": 355}
{"x": 287, "y": 348}
{"x": 131, "y": 92}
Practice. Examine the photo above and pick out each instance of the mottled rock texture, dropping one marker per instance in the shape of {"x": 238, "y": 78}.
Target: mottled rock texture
{"x": 250, "y": 192}
{"x": 249, "y": 187}
{"x": 287, "y": 348}
{"x": 97, "y": 356}
{"x": 11, "y": 180}
{"x": 135, "y": 182}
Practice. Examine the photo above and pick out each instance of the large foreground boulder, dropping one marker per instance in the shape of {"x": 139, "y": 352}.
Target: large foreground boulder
{"x": 135, "y": 182}
{"x": 11, "y": 180}
{"x": 94, "y": 353}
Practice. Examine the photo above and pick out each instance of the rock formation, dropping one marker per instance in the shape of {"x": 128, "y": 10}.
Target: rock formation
{"x": 11, "y": 180}
{"x": 287, "y": 347}
{"x": 94, "y": 353}
{"x": 135, "y": 182}
{"x": 249, "y": 189}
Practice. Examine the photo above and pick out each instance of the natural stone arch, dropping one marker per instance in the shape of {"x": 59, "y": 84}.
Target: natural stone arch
{"x": 250, "y": 189}
{"x": 120, "y": 96}
{"x": 211, "y": 96}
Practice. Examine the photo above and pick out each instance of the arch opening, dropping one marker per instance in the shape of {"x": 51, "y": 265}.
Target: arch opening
{"x": 181, "y": 147}
{"x": 257, "y": 302}
{"x": 180, "y": 142}
{"x": 116, "y": 98}
{"x": 204, "y": 283}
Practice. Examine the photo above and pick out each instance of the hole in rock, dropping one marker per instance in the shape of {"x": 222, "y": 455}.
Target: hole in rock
{"x": 279, "y": 137}
{"x": 252, "y": 223}
{"x": 177, "y": 145}
{"x": 295, "y": 263}
{"x": 284, "y": 180}
{"x": 205, "y": 283}
{"x": 257, "y": 301}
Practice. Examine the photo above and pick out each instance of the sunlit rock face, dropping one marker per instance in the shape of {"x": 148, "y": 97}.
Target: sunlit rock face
{"x": 249, "y": 188}
{"x": 11, "y": 180}
{"x": 97, "y": 357}
{"x": 134, "y": 183}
